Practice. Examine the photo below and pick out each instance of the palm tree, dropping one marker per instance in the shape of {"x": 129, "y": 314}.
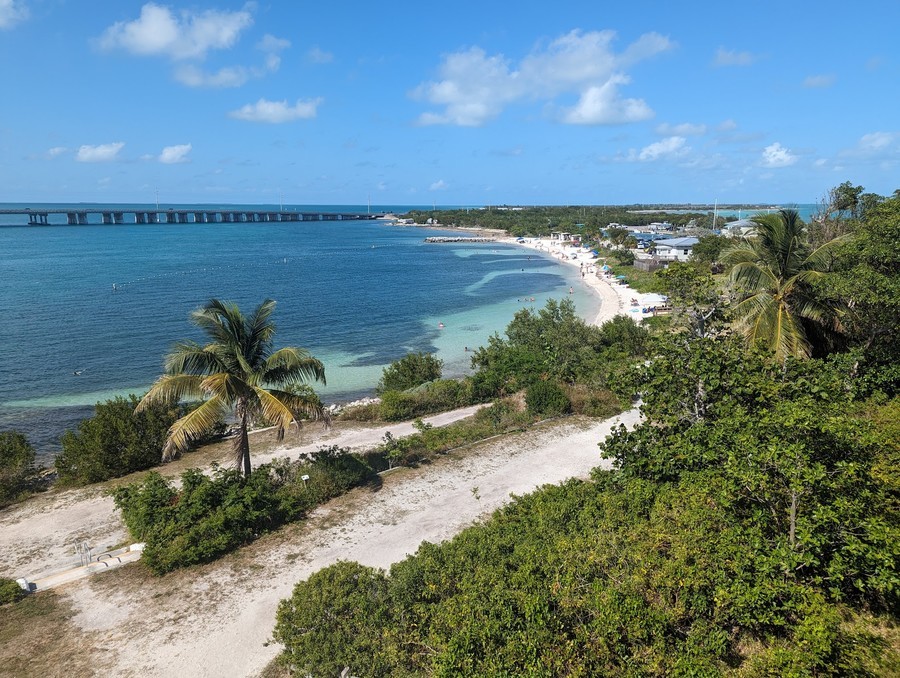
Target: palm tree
{"x": 237, "y": 373}
{"x": 775, "y": 271}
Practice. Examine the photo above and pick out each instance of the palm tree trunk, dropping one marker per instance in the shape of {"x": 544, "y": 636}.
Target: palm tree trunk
{"x": 242, "y": 442}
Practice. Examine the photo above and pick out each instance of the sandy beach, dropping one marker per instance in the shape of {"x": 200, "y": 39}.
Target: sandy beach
{"x": 215, "y": 620}
{"x": 615, "y": 297}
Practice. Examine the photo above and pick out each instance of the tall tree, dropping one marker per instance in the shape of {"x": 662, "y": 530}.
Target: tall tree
{"x": 236, "y": 372}
{"x": 774, "y": 273}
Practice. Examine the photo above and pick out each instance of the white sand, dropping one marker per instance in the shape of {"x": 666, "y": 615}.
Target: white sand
{"x": 615, "y": 297}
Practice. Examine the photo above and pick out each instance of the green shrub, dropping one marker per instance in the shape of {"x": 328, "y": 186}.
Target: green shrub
{"x": 367, "y": 412}
{"x": 593, "y": 402}
{"x": 436, "y": 396}
{"x": 114, "y": 442}
{"x": 397, "y": 406}
{"x": 410, "y": 371}
{"x": 10, "y": 591}
{"x": 547, "y": 399}
{"x": 16, "y": 466}
{"x": 336, "y": 620}
{"x": 117, "y": 441}
{"x": 212, "y": 515}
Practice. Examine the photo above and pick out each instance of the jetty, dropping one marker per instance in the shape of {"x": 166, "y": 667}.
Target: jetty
{"x": 461, "y": 238}
{"x": 80, "y": 216}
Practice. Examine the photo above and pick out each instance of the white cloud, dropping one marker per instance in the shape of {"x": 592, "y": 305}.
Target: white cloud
{"x": 602, "y": 106}
{"x": 671, "y": 147}
{"x": 230, "y": 76}
{"x": 730, "y": 57}
{"x": 727, "y": 125}
{"x": 474, "y": 87}
{"x": 175, "y": 154}
{"x": 277, "y": 111}
{"x": 776, "y": 155}
{"x": 818, "y": 81}
{"x": 685, "y": 129}
{"x": 270, "y": 43}
{"x": 438, "y": 185}
{"x": 12, "y": 12}
{"x": 234, "y": 76}
{"x": 56, "y": 151}
{"x": 159, "y": 32}
{"x": 877, "y": 141}
{"x": 101, "y": 153}
{"x": 319, "y": 56}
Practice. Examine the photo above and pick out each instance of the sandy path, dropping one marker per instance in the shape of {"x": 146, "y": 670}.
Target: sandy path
{"x": 214, "y": 620}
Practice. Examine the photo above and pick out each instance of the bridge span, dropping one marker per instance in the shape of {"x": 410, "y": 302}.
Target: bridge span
{"x": 75, "y": 216}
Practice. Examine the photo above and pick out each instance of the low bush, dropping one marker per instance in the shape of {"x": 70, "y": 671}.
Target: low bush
{"x": 367, "y": 412}
{"x": 593, "y": 402}
{"x": 503, "y": 416}
{"x": 546, "y": 398}
{"x": 410, "y": 371}
{"x": 10, "y": 591}
{"x": 210, "y": 516}
{"x": 436, "y": 396}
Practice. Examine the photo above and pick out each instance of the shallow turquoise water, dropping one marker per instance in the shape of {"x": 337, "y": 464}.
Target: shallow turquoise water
{"x": 357, "y": 294}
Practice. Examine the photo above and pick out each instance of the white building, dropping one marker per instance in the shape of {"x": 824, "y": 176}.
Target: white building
{"x": 675, "y": 249}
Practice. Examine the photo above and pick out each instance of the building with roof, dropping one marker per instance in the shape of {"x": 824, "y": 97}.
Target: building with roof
{"x": 675, "y": 249}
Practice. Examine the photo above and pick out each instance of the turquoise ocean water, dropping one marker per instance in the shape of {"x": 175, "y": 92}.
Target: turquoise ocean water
{"x": 356, "y": 294}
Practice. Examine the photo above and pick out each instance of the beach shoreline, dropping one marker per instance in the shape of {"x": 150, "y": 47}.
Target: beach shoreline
{"x": 615, "y": 299}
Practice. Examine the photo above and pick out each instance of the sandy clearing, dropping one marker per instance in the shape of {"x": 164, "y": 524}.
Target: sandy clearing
{"x": 215, "y": 620}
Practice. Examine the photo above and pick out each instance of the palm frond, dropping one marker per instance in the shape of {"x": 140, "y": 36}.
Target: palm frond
{"x": 292, "y": 365}
{"x": 172, "y": 388}
{"x": 822, "y": 258}
{"x": 192, "y": 425}
{"x": 273, "y": 409}
{"x": 260, "y": 330}
{"x": 302, "y": 404}
{"x": 228, "y": 387}
{"x": 191, "y": 357}
{"x": 753, "y": 277}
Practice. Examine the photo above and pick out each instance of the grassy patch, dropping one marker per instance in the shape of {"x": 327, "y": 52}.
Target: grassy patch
{"x": 639, "y": 281}
{"x": 37, "y": 639}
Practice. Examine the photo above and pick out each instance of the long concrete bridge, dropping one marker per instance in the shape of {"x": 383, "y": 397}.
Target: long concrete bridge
{"x": 80, "y": 216}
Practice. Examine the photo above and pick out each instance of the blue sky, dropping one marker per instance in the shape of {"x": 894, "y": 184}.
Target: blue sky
{"x": 459, "y": 103}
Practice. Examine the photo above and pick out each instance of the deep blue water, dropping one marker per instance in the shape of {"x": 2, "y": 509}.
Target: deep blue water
{"x": 356, "y": 294}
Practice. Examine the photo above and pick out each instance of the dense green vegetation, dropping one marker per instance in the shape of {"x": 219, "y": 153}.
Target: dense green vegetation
{"x": 733, "y": 536}
{"x": 208, "y": 516}
{"x": 587, "y": 220}
{"x": 114, "y": 442}
{"x": 776, "y": 273}
{"x": 554, "y": 344}
{"x": 238, "y": 373}
{"x": 750, "y": 526}
{"x": 414, "y": 369}
{"x": 16, "y": 467}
